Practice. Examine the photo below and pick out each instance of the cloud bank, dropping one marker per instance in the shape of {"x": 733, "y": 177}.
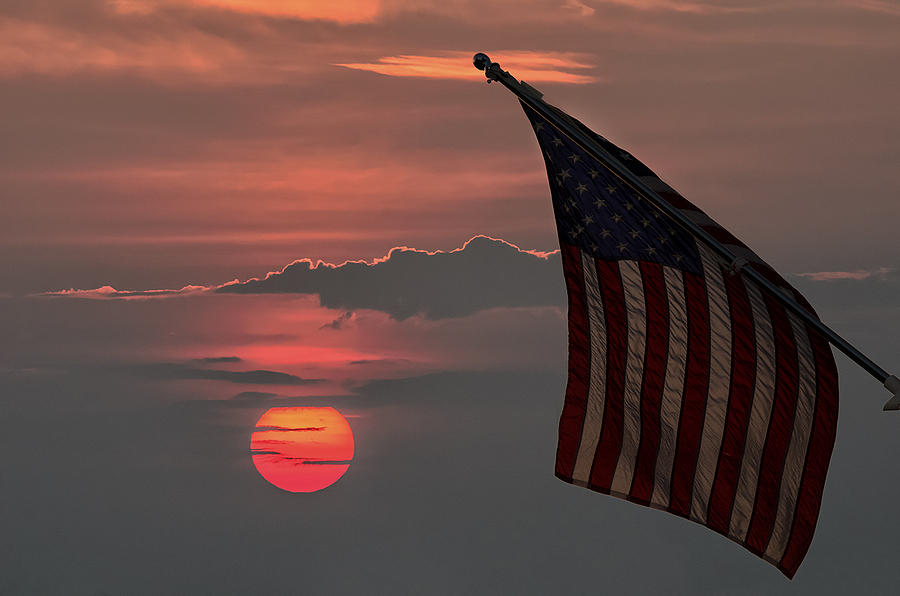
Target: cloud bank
{"x": 176, "y": 371}
{"x": 485, "y": 273}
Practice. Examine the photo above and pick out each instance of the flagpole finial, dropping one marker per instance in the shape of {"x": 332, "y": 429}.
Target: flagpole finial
{"x": 481, "y": 61}
{"x": 491, "y": 69}
{"x": 493, "y": 72}
{"x": 892, "y": 384}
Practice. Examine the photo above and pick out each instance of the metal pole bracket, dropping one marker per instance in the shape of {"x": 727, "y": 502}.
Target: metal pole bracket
{"x": 892, "y": 384}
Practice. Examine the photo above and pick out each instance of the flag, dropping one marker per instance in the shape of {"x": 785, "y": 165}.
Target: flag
{"x": 691, "y": 389}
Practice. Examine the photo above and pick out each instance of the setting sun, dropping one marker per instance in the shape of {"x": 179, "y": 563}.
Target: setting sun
{"x": 302, "y": 450}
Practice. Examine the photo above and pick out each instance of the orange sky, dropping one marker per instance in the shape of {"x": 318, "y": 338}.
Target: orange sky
{"x": 163, "y": 143}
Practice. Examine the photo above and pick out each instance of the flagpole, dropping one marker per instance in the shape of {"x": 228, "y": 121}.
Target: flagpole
{"x": 532, "y": 98}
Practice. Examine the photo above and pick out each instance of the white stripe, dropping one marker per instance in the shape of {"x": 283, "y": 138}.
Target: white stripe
{"x": 796, "y": 455}
{"x": 763, "y": 396}
{"x": 673, "y": 389}
{"x": 634, "y": 374}
{"x": 719, "y": 386}
{"x": 596, "y": 398}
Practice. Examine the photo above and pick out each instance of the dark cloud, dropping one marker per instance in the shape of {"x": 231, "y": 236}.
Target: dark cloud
{"x": 338, "y": 322}
{"x": 485, "y": 273}
{"x": 286, "y": 428}
{"x": 326, "y": 462}
{"x": 166, "y": 370}
{"x": 379, "y": 361}
{"x": 253, "y": 395}
{"x": 218, "y": 359}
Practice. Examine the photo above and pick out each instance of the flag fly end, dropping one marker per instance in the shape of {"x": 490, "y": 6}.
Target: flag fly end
{"x": 892, "y": 384}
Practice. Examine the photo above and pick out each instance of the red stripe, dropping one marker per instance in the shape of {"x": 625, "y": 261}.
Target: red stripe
{"x": 604, "y": 465}
{"x": 740, "y": 399}
{"x": 693, "y": 405}
{"x": 654, "y": 376}
{"x": 818, "y": 454}
{"x": 781, "y": 425}
{"x": 572, "y": 418}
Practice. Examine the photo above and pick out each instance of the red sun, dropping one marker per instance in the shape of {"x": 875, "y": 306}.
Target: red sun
{"x": 302, "y": 450}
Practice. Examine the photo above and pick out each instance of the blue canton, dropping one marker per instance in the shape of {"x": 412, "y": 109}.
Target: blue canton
{"x": 600, "y": 214}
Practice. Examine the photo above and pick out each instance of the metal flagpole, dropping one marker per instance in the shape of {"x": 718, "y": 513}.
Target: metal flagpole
{"x": 532, "y": 98}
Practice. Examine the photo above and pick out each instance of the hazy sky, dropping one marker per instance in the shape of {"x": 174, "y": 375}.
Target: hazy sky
{"x": 154, "y": 151}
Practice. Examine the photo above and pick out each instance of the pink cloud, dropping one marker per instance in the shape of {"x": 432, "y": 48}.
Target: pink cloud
{"x": 548, "y": 67}
{"x": 49, "y": 50}
{"x": 879, "y": 6}
{"x": 696, "y": 7}
{"x": 109, "y": 292}
{"x": 344, "y": 12}
{"x": 858, "y": 274}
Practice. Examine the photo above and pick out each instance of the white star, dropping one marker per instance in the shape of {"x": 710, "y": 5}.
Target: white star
{"x": 594, "y": 247}
{"x": 557, "y": 141}
{"x": 634, "y": 233}
{"x": 628, "y": 205}
{"x": 566, "y": 174}
{"x": 594, "y": 173}
{"x": 645, "y": 222}
{"x": 539, "y": 126}
{"x": 651, "y": 250}
{"x": 621, "y": 246}
{"x": 617, "y": 218}
{"x": 604, "y": 233}
{"x": 600, "y": 203}
{"x": 611, "y": 189}
{"x": 574, "y": 158}
{"x": 578, "y": 230}
{"x": 588, "y": 220}
{"x": 663, "y": 239}
{"x": 678, "y": 258}
{"x": 581, "y": 187}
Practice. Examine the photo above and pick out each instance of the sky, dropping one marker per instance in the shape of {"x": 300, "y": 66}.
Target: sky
{"x": 215, "y": 207}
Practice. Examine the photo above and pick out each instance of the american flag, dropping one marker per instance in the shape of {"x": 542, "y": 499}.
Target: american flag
{"x": 691, "y": 389}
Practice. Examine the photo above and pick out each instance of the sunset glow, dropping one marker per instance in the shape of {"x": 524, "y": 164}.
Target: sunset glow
{"x": 531, "y": 66}
{"x": 302, "y": 449}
